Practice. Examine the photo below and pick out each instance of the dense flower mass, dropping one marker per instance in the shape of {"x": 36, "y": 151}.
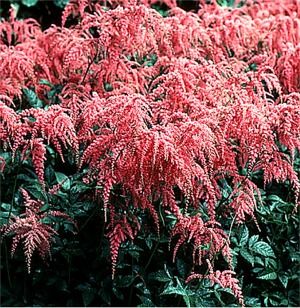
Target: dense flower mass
{"x": 162, "y": 110}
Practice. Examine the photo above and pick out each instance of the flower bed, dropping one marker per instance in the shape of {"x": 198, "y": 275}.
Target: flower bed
{"x": 175, "y": 127}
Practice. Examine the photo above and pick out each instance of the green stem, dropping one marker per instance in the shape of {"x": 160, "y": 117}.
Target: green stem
{"x": 90, "y": 62}
{"x": 13, "y": 193}
{"x": 151, "y": 256}
{"x": 161, "y": 215}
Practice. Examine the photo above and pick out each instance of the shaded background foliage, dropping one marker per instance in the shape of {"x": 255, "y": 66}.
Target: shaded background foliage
{"x": 45, "y": 12}
{"x": 48, "y": 12}
{"x": 79, "y": 272}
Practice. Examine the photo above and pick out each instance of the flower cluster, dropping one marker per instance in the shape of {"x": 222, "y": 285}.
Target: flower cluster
{"x": 31, "y": 229}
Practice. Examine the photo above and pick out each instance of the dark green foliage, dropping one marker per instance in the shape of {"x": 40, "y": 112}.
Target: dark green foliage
{"x": 45, "y": 12}
{"x": 79, "y": 273}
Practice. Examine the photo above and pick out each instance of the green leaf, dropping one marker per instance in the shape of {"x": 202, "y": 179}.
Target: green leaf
{"x": 46, "y": 82}
{"x": 271, "y": 263}
{"x": 37, "y": 192}
{"x": 263, "y": 249}
{"x": 247, "y": 256}
{"x": 234, "y": 258}
{"x": 79, "y": 187}
{"x": 259, "y": 260}
{"x": 258, "y": 269}
{"x": 284, "y": 280}
{"x": 244, "y": 236}
{"x": 32, "y": 98}
{"x": 45, "y": 207}
{"x": 5, "y": 212}
{"x": 269, "y": 276}
{"x": 171, "y": 289}
{"x": 151, "y": 61}
{"x": 160, "y": 276}
{"x": 69, "y": 227}
{"x": 149, "y": 242}
{"x": 275, "y": 198}
{"x": 108, "y": 87}
{"x": 6, "y": 207}
{"x": 217, "y": 289}
{"x": 162, "y": 12}
{"x": 29, "y": 3}
{"x": 226, "y": 188}
{"x": 63, "y": 179}
{"x": 146, "y": 302}
{"x": 179, "y": 290}
{"x": 226, "y": 3}
{"x": 253, "y": 239}
{"x": 266, "y": 300}
{"x": 61, "y": 3}
{"x": 252, "y": 302}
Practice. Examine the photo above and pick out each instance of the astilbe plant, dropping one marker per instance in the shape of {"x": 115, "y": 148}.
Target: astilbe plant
{"x": 224, "y": 279}
{"x": 29, "y": 228}
{"x": 160, "y": 110}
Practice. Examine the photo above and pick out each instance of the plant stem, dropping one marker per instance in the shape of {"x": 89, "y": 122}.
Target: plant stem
{"x": 152, "y": 254}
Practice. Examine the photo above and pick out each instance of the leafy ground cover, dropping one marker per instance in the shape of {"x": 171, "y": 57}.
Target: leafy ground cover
{"x": 149, "y": 153}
